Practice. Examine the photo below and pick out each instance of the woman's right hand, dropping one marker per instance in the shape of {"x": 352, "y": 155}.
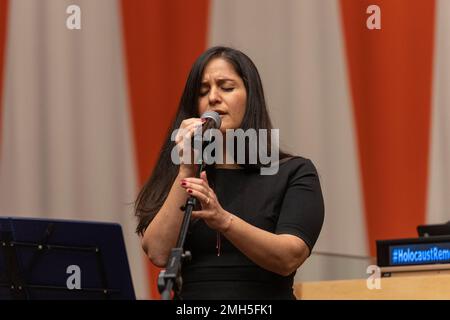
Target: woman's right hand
{"x": 184, "y": 135}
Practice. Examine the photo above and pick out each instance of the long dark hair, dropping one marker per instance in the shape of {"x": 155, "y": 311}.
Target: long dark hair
{"x": 152, "y": 196}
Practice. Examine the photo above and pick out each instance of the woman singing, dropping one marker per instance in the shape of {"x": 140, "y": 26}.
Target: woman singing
{"x": 250, "y": 232}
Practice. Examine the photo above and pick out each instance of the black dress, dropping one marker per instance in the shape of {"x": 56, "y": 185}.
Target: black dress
{"x": 289, "y": 202}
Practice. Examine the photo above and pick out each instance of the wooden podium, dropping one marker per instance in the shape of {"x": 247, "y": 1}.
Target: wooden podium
{"x": 407, "y": 287}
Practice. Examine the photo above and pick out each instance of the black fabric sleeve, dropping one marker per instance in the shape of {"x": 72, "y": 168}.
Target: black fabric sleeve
{"x": 302, "y": 210}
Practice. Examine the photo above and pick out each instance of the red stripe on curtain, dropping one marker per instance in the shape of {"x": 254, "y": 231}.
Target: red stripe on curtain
{"x": 162, "y": 40}
{"x": 390, "y": 72}
{"x": 3, "y": 25}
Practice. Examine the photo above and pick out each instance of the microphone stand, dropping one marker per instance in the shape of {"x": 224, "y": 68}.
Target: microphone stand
{"x": 170, "y": 278}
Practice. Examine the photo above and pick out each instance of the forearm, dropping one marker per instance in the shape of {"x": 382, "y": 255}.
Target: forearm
{"x": 162, "y": 233}
{"x": 281, "y": 254}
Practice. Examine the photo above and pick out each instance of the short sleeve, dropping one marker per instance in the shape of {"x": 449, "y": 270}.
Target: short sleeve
{"x": 302, "y": 209}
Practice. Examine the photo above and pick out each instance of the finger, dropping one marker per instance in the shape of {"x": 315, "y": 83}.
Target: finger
{"x": 203, "y": 198}
{"x": 193, "y": 186}
{"x": 204, "y": 177}
{"x": 194, "y": 125}
{"x": 198, "y": 181}
{"x": 187, "y": 122}
{"x": 187, "y": 132}
{"x": 187, "y": 126}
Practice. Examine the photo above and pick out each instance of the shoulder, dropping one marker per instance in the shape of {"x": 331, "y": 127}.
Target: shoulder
{"x": 295, "y": 169}
{"x": 297, "y": 163}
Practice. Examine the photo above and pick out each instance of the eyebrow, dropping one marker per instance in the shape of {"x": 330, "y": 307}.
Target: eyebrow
{"x": 220, "y": 80}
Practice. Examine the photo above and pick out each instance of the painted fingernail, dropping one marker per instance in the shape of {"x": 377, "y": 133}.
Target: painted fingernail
{"x": 183, "y": 183}
{"x": 189, "y": 190}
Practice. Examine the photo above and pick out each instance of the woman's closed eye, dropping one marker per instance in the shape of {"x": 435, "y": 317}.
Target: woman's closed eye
{"x": 204, "y": 92}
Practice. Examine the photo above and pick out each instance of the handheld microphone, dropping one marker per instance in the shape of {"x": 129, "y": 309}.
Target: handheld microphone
{"x": 213, "y": 121}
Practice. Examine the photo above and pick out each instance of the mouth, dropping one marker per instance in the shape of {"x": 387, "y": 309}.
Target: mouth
{"x": 221, "y": 113}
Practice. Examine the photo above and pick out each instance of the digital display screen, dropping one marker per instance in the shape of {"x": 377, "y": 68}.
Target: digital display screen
{"x": 416, "y": 254}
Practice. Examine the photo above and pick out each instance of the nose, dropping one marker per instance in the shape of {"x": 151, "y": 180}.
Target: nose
{"x": 213, "y": 97}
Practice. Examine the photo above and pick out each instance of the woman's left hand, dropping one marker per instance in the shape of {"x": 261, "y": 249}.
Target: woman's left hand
{"x": 212, "y": 212}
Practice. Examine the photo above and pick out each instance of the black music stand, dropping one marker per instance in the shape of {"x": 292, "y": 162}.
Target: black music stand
{"x": 48, "y": 259}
